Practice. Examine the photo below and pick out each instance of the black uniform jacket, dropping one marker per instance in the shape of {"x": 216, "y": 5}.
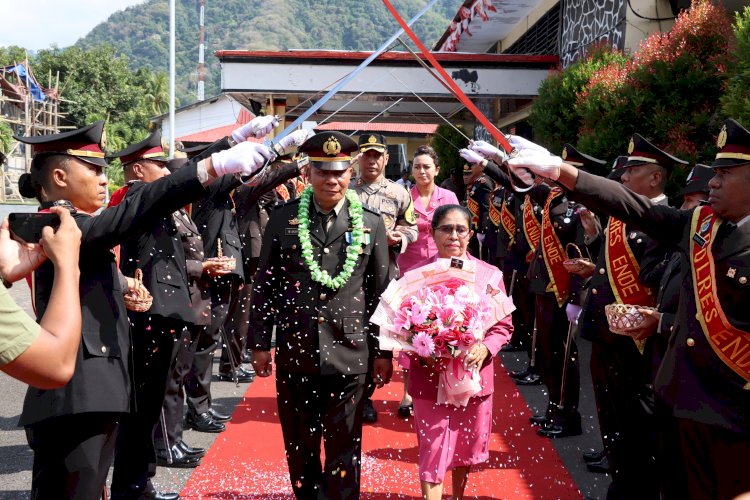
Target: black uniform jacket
{"x": 318, "y": 330}
{"x": 250, "y": 223}
{"x": 692, "y": 380}
{"x": 101, "y": 381}
{"x": 199, "y": 284}
{"x": 160, "y": 254}
{"x": 214, "y": 216}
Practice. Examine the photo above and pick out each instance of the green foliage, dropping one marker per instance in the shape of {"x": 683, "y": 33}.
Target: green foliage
{"x": 141, "y": 32}
{"x": 735, "y": 102}
{"x": 554, "y": 115}
{"x": 6, "y": 137}
{"x": 446, "y": 143}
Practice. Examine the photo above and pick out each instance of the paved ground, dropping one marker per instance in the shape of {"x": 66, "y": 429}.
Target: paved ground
{"x": 16, "y": 458}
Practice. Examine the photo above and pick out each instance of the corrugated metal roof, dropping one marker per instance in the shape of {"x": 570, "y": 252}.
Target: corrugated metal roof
{"x": 217, "y": 133}
{"x": 403, "y": 128}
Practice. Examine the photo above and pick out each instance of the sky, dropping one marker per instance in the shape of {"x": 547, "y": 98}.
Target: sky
{"x": 48, "y": 22}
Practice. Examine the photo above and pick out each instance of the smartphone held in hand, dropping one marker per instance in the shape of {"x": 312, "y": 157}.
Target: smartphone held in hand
{"x": 28, "y": 226}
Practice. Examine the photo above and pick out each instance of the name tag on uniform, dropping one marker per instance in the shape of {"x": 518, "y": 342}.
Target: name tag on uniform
{"x": 700, "y": 240}
{"x": 291, "y": 231}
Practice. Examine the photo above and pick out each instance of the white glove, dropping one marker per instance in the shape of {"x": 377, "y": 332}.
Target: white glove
{"x": 291, "y": 142}
{"x": 572, "y": 311}
{"x": 244, "y": 159}
{"x": 258, "y": 127}
{"x": 527, "y": 164}
{"x": 520, "y": 144}
{"x": 470, "y": 156}
{"x": 488, "y": 151}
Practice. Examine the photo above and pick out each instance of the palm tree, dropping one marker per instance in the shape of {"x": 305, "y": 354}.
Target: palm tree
{"x": 157, "y": 93}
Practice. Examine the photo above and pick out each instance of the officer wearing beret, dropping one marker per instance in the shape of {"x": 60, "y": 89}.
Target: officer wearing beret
{"x": 396, "y": 207}
{"x": 323, "y": 265}
{"x": 72, "y": 429}
{"x": 704, "y": 376}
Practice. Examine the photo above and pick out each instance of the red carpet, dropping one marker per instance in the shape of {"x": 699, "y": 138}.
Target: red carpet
{"x": 247, "y": 460}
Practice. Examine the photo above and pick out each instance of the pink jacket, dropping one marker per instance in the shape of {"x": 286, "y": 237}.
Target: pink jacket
{"x": 423, "y": 381}
{"x": 424, "y": 248}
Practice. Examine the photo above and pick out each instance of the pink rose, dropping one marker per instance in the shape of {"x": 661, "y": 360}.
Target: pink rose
{"x": 467, "y": 339}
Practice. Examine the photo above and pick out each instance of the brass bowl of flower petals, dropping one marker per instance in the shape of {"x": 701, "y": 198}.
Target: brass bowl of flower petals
{"x": 135, "y": 303}
{"x": 624, "y": 318}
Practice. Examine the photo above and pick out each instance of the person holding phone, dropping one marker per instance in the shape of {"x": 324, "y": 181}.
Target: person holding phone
{"x": 42, "y": 355}
{"x": 72, "y": 429}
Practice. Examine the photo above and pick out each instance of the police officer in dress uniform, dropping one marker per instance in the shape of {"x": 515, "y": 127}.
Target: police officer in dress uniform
{"x": 556, "y": 292}
{"x": 479, "y": 188}
{"x": 171, "y": 449}
{"x": 680, "y": 371}
{"x": 159, "y": 254}
{"x": 703, "y": 377}
{"x": 395, "y": 205}
{"x": 656, "y": 334}
{"x": 72, "y": 429}
{"x": 324, "y": 345}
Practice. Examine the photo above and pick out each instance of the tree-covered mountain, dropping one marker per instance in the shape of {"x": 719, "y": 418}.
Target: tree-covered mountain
{"x": 141, "y": 32}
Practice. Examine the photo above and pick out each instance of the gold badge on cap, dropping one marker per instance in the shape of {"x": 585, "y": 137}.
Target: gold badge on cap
{"x": 721, "y": 141}
{"x": 631, "y": 146}
{"x": 332, "y": 146}
{"x": 372, "y": 139}
{"x": 564, "y": 153}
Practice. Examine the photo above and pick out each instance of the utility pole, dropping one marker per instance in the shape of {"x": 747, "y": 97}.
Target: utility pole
{"x": 201, "y": 51}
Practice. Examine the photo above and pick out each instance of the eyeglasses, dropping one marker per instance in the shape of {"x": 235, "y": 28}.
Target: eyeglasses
{"x": 447, "y": 229}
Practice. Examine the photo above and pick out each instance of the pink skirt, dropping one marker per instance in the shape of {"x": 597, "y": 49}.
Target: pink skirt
{"x": 450, "y": 437}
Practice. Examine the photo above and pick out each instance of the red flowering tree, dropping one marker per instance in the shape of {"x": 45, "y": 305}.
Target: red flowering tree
{"x": 668, "y": 91}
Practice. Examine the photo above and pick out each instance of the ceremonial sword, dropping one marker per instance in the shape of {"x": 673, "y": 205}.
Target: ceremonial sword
{"x": 312, "y": 109}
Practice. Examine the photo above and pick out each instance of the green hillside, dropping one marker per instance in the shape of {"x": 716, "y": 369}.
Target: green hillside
{"x": 141, "y": 32}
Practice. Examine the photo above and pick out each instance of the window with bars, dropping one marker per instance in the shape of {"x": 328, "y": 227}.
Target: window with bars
{"x": 542, "y": 38}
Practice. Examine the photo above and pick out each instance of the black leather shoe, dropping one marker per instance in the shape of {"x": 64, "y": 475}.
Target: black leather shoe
{"x": 369, "y": 415}
{"x": 219, "y": 417}
{"x": 593, "y": 456}
{"x": 601, "y": 466}
{"x": 511, "y": 348}
{"x": 203, "y": 423}
{"x": 179, "y": 459}
{"x": 165, "y": 496}
{"x": 553, "y": 431}
{"x": 242, "y": 376}
{"x": 530, "y": 379}
{"x": 406, "y": 411}
{"x": 191, "y": 451}
{"x": 538, "y": 420}
{"x": 247, "y": 357}
{"x": 521, "y": 373}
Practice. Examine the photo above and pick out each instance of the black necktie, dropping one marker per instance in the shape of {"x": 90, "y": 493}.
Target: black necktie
{"x": 325, "y": 219}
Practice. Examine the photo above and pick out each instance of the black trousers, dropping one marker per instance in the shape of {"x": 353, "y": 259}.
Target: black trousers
{"x": 154, "y": 339}
{"x": 629, "y": 430}
{"x": 552, "y": 334}
{"x": 715, "y": 460}
{"x": 72, "y": 455}
{"x": 328, "y": 407}
{"x": 174, "y": 396}
{"x": 523, "y": 316}
{"x": 224, "y": 299}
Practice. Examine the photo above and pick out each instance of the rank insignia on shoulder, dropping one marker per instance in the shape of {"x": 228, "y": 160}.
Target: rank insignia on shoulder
{"x": 294, "y": 221}
{"x": 700, "y": 240}
{"x": 457, "y": 263}
{"x": 732, "y": 272}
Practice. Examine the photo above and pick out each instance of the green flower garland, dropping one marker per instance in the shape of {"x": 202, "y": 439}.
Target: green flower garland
{"x": 352, "y": 251}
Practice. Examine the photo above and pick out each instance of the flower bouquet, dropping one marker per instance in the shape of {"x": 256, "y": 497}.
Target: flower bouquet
{"x": 440, "y": 311}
